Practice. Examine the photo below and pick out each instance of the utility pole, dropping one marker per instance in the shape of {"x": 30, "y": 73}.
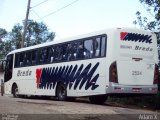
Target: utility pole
{"x": 25, "y": 24}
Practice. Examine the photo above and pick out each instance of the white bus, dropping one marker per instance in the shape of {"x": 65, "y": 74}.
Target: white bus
{"x": 119, "y": 61}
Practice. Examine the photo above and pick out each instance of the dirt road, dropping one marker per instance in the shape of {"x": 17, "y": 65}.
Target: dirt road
{"x": 20, "y": 108}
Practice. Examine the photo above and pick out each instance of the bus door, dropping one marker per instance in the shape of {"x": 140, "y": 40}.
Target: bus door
{"x": 8, "y": 68}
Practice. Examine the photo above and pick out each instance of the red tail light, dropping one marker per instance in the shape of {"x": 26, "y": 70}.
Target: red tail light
{"x": 113, "y": 77}
{"x": 156, "y": 75}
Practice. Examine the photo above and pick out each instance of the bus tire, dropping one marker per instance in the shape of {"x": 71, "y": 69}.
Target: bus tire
{"x": 61, "y": 92}
{"x": 98, "y": 99}
{"x": 15, "y": 91}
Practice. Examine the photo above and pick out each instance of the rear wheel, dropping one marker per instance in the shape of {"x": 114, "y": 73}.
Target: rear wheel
{"x": 61, "y": 92}
{"x": 98, "y": 99}
{"x": 15, "y": 91}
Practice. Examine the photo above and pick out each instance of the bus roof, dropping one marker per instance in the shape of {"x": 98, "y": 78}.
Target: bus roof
{"x": 105, "y": 31}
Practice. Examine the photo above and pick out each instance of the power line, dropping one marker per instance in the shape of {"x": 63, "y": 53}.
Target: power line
{"x": 36, "y": 14}
{"x": 39, "y": 4}
{"x": 59, "y": 9}
{"x": 40, "y": 18}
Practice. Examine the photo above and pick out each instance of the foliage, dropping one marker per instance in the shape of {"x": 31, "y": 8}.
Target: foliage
{"x": 153, "y": 7}
{"x": 3, "y": 34}
{"x": 15, "y": 36}
{"x": 37, "y": 33}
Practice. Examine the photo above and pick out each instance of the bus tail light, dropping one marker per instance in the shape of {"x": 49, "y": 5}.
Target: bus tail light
{"x": 156, "y": 75}
{"x": 113, "y": 77}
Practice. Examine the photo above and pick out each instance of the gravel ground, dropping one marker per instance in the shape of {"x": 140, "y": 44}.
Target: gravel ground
{"x": 52, "y": 109}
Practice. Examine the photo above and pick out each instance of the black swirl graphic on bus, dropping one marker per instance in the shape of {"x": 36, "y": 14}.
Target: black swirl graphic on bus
{"x": 72, "y": 76}
{"x": 135, "y": 37}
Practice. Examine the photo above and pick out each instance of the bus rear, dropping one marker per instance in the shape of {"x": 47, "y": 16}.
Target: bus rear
{"x": 134, "y": 69}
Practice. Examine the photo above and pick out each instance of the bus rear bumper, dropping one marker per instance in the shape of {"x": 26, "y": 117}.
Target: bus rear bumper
{"x": 116, "y": 88}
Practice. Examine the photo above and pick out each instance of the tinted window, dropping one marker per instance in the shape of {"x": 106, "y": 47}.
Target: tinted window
{"x": 58, "y": 53}
{"x": 86, "y": 48}
{"x": 17, "y": 63}
{"x": 103, "y": 46}
{"x": 79, "y": 50}
{"x": 96, "y": 44}
{"x": 28, "y": 59}
{"x": 21, "y": 59}
{"x": 34, "y": 54}
{"x": 18, "y": 60}
{"x": 71, "y": 51}
{"x": 51, "y": 54}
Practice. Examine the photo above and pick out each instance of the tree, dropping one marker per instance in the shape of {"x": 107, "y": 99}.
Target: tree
{"x": 16, "y": 36}
{"x": 153, "y": 7}
{"x": 3, "y": 34}
{"x": 37, "y": 33}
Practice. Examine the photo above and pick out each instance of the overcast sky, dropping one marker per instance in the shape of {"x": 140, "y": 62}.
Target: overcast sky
{"x": 72, "y": 17}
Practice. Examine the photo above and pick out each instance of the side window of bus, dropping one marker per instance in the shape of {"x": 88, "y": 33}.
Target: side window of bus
{"x": 28, "y": 58}
{"x": 96, "y": 46}
{"x": 34, "y": 54}
{"x": 103, "y": 46}
{"x": 40, "y": 55}
{"x": 10, "y": 61}
{"x": 79, "y": 51}
{"x": 58, "y": 53}
{"x": 74, "y": 50}
{"x": 51, "y": 55}
{"x": 64, "y": 52}
{"x": 24, "y": 59}
{"x": 69, "y": 51}
{"x": 21, "y": 59}
{"x": 16, "y": 64}
{"x": 88, "y": 48}
{"x": 45, "y": 55}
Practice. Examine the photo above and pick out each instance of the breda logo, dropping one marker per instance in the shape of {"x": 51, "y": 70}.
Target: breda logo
{"x": 135, "y": 37}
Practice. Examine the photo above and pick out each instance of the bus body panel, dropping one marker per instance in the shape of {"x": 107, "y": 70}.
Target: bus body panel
{"x": 135, "y": 73}
{"x": 26, "y": 79}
